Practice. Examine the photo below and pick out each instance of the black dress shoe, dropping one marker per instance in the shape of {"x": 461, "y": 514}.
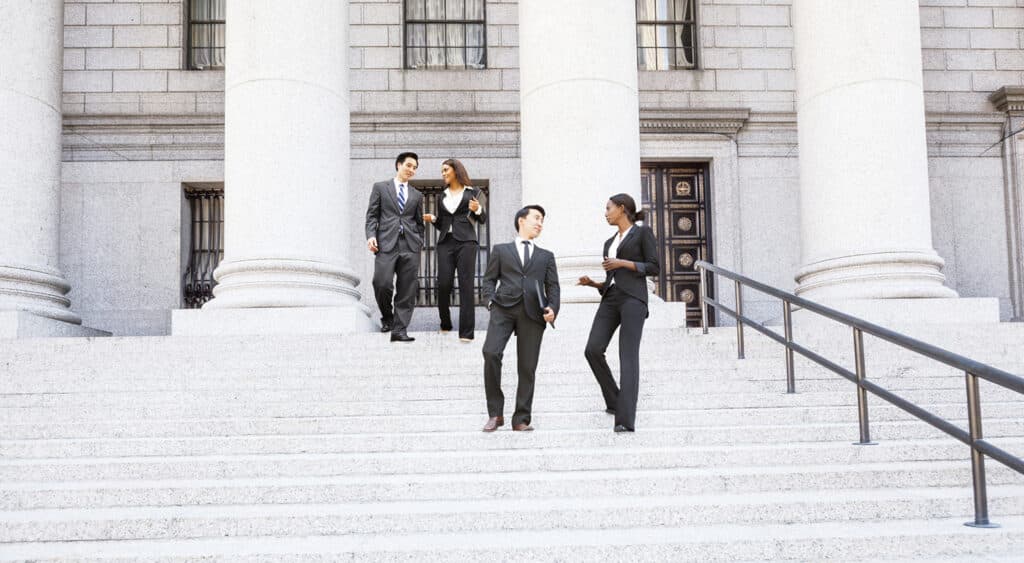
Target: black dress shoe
{"x": 401, "y": 338}
{"x": 621, "y": 428}
{"x": 385, "y": 327}
{"x": 609, "y": 411}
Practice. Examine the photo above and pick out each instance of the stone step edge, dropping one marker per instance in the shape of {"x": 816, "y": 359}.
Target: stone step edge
{"x": 542, "y": 504}
{"x": 540, "y": 451}
{"x": 508, "y": 476}
{"x": 730, "y": 536}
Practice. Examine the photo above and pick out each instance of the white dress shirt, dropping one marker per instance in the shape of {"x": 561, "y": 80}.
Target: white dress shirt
{"x": 613, "y": 248}
{"x": 520, "y": 248}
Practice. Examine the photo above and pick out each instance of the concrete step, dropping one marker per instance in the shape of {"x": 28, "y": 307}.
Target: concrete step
{"x": 927, "y": 539}
{"x": 497, "y": 484}
{"x": 456, "y": 419}
{"x": 566, "y": 513}
{"x": 523, "y": 457}
{"x": 279, "y": 404}
{"x": 459, "y": 439}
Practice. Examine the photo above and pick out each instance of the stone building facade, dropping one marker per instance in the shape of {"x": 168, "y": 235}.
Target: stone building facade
{"x": 140, "y": 129}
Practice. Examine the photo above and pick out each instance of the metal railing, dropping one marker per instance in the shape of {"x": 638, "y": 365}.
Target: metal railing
{"x": 972, "y": 371}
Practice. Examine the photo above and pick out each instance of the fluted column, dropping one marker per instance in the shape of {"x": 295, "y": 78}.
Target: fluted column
{"x": 286, "y": 157}
{"x": 580, "y": 124}
{"x": 865, "y": 216}
{"x": 31, "y": 63}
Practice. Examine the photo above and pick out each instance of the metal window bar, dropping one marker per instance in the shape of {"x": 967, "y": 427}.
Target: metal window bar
{"x": 433, "y": 193}
{"x": 204, "y": 34}
{"x": 971, "y": 368}
{"x": 448, "y": 47}
{"x": 206, "y": 244}
{"x": 679, "y": 22}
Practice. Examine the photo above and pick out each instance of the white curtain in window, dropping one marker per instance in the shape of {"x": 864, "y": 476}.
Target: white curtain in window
{"x": 437, "y": 45}
{"x": 645, "y": 35}
{"x": 207, "y": 46}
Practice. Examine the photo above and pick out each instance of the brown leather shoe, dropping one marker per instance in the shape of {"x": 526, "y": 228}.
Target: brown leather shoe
{"x": 493, "y": 423}
{"x": 522, "y": 427}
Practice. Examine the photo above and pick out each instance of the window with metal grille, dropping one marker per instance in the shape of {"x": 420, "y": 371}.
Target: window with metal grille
{"x": 433, "y": 195}
{"x": 205, "y": 242}
{"x": 666, "y": 34}
{"x": 445, "y": 34}
{"x": 205, "y": 34}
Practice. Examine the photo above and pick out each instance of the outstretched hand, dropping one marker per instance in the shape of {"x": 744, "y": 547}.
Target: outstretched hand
{"x": 585, "y": 280}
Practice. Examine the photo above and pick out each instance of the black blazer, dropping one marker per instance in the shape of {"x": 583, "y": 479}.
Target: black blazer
{"x": 507, "y": 282}
{"x": 384, "y": 221}
{"x": 639, "y": 247}
{"x": 463, "y": 222}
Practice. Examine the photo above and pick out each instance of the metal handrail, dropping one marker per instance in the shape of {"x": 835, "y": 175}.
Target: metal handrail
{"x": 972, "y": 371}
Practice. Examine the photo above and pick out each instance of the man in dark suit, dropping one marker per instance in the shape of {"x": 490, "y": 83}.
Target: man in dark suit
{"x": 394, "y": 233}
{"x": 522, "y": 293}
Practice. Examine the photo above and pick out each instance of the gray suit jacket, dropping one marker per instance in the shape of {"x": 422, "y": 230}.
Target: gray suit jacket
{"x": 387, "y": 223}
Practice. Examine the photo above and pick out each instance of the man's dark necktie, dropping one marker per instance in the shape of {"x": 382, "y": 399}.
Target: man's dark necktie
{"x": 526, "y": 252}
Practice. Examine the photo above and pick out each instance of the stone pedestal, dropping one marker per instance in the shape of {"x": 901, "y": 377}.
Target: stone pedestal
{"x": 31, "y": 63}
{"x": 580, "y": 124}
{"x": 286, "y": 171}
{"x": 865, "y": 216}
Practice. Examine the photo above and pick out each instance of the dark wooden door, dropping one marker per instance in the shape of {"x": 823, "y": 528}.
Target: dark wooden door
{"x": 676, "y": 196}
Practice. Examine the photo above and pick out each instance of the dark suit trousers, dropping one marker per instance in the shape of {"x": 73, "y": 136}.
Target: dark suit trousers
{"x": 505, "y": 320}
{"x": 618, "y": 310}
{"x": 455, "y": 255}
{"x": 402, "y": 262}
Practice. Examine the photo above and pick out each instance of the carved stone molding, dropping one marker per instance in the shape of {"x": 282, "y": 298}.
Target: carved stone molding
{"x": 1009, "y": 99}
{"x": 689, "y": 120}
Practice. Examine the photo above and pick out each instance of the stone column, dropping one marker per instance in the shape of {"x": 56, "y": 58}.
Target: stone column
{"x": 286, "y": 169}
{"x": 31, "y": 66}
{"x": 1010, "y": 99}
{"x": 865, "y": 216}
{"x": 580, "y": 124}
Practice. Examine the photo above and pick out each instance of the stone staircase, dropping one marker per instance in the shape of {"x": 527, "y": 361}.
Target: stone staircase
{"x": 338, "y": 448}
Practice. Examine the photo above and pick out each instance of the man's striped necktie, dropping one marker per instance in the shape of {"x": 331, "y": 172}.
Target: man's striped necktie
{"x": 401, "y": 198}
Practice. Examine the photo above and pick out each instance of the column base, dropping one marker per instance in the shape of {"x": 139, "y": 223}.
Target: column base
{"x": 900, "y": 312}
{"x": 22, "y": 324}
{"x": 906, "y": 274}
{"x": 271, "y": 320}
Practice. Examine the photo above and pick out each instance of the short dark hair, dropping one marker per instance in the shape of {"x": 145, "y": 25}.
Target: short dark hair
{"x": 629, "y": 204}
{"x": 522, "y": 213}
{"x": 401, "y": 158}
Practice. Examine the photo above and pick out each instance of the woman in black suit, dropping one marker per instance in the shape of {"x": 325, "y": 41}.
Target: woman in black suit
{"x": 459, "y": 211}
{"x": 629, "y": 257}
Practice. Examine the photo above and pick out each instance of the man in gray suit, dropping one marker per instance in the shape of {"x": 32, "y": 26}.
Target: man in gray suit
{"x": 522, "y": 293}
{"x": 394, "y": 233}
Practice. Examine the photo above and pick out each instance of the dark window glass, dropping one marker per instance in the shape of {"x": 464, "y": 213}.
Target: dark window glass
{"x": 666, "y": 34}
{"x": 206, "y": 34}
{"x": 442, "y": 34}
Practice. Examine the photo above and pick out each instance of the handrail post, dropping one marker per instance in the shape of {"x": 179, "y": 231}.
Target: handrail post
{"x": 977, "y": 458}
{"x": 787, "y": 319}
{"x": 739, "y": 323}
{"x": 703, "y": 300}
{"x": 862, "y": 394}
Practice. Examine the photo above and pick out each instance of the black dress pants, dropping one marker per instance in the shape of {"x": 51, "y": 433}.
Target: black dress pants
{"x": 529, "y": 333}
{"x": 618, "y": 310}
{"x": 455, "y": 255}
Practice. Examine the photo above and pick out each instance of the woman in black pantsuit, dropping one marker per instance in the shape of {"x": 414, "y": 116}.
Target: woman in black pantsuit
{"x": 629, "y": 257}
{"x": 459, "y": 211}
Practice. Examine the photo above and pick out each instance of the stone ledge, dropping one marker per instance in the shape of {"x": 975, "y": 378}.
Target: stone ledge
{"x": 21, "y": 324}
{"x": 276, "y": 320}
